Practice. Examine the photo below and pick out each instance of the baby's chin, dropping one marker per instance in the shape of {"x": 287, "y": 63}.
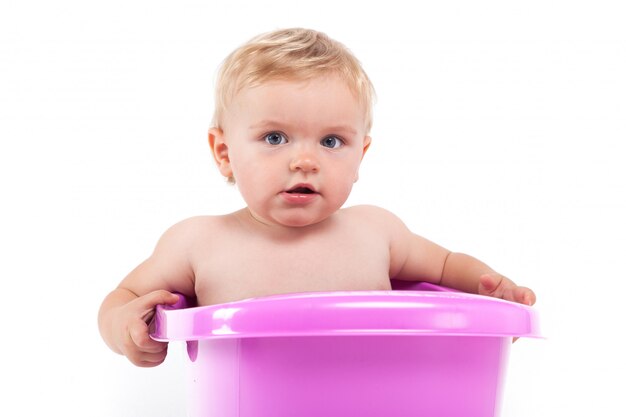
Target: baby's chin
{"x": 299, "y": 220}
{"x": 293, "y": 221}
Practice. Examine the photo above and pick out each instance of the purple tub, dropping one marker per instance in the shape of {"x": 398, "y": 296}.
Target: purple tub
{"x": 425, "y": 351}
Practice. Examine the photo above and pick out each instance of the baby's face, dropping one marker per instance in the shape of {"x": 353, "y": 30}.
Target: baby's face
{"x": 294, "y": 148}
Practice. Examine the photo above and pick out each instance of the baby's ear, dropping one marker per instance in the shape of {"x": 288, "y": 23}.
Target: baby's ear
{"x": 220, "y": 151}
{"x": 367, "y": 141}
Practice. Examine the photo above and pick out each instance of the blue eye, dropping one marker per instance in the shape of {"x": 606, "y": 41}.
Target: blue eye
{"x": 332, "y": 142}
{"x": 275, "y": 138}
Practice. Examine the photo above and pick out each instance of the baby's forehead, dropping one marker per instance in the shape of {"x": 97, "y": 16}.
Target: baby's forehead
{"x": 320, "y": 101}
{"x": 310, "y": 91}
{"x": 293, "y": 85}
{"x": 321, "y": 89}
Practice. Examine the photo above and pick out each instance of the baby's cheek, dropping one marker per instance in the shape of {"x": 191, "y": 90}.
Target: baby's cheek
{"x": 342, "y": 192}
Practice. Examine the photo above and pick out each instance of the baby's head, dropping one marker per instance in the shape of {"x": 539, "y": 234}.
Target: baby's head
{"x": 291, "y": 124}
{"x": 293, "y": 55}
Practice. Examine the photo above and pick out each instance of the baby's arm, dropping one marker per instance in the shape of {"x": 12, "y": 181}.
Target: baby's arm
{"x": 125, "y": 313}
{"x": 414, "y": 258}
{"x": 465, "y": 272}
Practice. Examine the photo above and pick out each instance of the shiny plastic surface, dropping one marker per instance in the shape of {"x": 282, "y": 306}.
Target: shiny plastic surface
{"x": 426, "y": 310}
{"x": 428, "y": 351}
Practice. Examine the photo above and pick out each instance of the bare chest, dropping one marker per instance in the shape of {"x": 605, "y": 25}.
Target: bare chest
{"x": 253, "y": 267}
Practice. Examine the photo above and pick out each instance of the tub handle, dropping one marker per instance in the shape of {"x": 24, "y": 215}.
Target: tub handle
{"x": 158, "y": 324}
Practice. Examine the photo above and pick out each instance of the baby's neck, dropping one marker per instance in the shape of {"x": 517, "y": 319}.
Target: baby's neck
{"x": 279, "y": 231}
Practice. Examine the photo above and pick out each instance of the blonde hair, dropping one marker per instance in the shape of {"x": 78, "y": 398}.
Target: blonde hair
{"x": 292, "y": 54}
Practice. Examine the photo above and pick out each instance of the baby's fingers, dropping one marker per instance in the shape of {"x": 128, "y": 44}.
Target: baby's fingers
{"x": 140, "y": 338}
{"x": 524, "y": 295}
{"x": 489, "y": 284}
{"x": 147, "y": 359}
{"x": 146, "y": 303}
{"x": 140, "y": 349}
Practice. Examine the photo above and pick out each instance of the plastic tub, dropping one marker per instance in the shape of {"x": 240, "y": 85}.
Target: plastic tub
{"x": 426, "y": 351}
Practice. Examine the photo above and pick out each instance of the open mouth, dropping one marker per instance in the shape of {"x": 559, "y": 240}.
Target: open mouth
{"x": 301, "y": 190}
{"x": 300, "y": 194}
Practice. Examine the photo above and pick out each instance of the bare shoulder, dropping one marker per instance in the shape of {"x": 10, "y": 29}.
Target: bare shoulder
{"x": 198, "y": 224}
{"x": 374, "y": 216}
{"x": 388, "y": 226}
{"x": 172, "y": 265}
{"x": 189, "y": 232}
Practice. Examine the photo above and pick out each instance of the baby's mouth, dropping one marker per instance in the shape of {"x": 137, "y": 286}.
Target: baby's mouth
{"x": 300, "y": 195}
{"x": 302, "y": 189}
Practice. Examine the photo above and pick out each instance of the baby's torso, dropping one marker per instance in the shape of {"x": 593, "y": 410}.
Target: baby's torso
{"x": 237, "y": 264}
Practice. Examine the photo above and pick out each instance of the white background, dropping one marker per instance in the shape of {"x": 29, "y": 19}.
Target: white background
{"x": 498, "y": 131}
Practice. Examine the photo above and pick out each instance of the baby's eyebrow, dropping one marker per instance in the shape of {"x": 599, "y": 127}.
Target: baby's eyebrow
{"x": 265, "y": 124}
{"x": 346, "y": 130}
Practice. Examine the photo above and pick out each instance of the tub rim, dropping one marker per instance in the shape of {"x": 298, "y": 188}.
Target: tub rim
{"x": 442, "y": 312}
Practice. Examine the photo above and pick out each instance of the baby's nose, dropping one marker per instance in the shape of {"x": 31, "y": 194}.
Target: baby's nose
{"x": 304, "y": 161}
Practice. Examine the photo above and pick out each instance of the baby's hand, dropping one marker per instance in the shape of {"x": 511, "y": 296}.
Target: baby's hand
{"x": 499, "y": 286}
{"x": 132, "y": 335}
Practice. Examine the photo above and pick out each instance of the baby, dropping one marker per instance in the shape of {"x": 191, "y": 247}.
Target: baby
{"x": 291, "y": 124}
